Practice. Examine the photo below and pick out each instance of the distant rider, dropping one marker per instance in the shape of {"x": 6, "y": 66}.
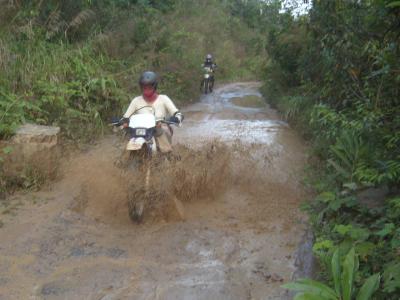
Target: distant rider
{"x": 208, "y": 63}
{"x": 161, "y": 105}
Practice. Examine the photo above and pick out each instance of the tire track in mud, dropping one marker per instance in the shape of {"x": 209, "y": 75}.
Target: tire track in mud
{"x": 238, "y": 178}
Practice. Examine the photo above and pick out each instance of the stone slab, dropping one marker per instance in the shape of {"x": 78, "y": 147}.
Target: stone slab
{"x": 32, "y": 146}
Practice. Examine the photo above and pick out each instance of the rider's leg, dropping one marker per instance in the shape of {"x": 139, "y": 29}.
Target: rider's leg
{"x": 164, "y": 139}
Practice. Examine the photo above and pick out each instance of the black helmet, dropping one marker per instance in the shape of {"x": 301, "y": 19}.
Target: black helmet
{"x": 148, "y": 78}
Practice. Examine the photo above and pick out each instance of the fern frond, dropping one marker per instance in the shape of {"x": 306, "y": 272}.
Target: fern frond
{"x": 54, "y": 24}
{"x": 81, "y": 18}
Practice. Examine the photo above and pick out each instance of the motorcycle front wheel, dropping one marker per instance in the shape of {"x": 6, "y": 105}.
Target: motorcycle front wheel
{"x": 136, "y": 208}
{"x": 137, "y": 195}
{"x": 211, "y": 85}
{"x": 206, "y": 86}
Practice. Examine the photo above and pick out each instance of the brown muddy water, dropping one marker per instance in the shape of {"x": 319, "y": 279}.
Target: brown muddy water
{"x": 238, "y": 177}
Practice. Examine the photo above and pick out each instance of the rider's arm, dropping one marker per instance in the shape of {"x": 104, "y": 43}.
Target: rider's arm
{"x": 131, "y": 109}
{"x": 171, "y": 108}
{"x": 169, "y": 105}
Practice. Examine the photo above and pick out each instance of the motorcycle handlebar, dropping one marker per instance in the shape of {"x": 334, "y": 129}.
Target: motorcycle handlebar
{"x": 118, "y": 122}
{"x": 114, "y": 124}
{"x": 168, "y": 122}
{"x": 121, "y": 122}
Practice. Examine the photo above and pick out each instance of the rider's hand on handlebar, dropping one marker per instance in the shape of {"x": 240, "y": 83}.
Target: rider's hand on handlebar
{"x": 174, "y": 119}
{"x": 177, "y": 118}
{"x": 124, "y": 122}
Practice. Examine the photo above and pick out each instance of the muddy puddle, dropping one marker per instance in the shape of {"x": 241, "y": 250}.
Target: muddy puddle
{"x": 250, "y": 101}
{"x": 238, "y": 178}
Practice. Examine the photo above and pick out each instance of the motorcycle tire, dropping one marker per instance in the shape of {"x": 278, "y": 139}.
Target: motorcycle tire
{"x": 136, "y": 198}
{"x": 136, "y": 204}
{"x": 136, "y": 210}
{"x": 206, "y": 85}
{"x": 211, "y": 86}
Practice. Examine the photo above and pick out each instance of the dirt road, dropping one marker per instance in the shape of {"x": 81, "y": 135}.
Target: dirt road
{"x": 74, "y": 240}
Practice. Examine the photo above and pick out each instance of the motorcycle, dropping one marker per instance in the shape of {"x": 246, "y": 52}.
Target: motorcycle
{"x": 207, "y": 84}
{"x": 141, "y": 147}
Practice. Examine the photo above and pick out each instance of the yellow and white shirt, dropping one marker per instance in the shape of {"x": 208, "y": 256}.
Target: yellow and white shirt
{"x": 162, "y": 107}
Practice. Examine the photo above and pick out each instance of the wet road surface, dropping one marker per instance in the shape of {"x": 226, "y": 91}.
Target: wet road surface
{"x": 73, "y": 240}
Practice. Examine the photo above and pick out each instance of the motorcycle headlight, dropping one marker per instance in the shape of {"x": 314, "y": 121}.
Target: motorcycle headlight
{"x": 140, "y": 132}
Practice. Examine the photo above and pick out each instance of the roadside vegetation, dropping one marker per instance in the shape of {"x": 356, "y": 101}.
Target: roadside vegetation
{"x": 334, "y": 73}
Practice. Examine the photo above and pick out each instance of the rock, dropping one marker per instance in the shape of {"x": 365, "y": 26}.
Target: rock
{"x": 37, "y": 134}
{"x": 34, "y": 147}
{"x": 276, "y": 278}
{"x": 304, "y": 258}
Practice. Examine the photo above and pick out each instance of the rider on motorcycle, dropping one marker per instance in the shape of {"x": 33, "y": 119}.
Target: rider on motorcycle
{"x": 161, "y": 105}
{"x": 208, "y": 63}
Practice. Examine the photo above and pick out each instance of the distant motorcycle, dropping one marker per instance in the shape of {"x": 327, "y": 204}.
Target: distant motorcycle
{"x": 141, "y": 147}
{"x": 207, "y": 84}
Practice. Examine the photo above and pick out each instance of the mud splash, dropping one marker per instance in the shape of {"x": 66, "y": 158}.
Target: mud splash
{"x": 190, "y": 174}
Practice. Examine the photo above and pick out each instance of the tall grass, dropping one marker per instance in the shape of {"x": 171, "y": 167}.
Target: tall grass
{"x": 56, "y": 84}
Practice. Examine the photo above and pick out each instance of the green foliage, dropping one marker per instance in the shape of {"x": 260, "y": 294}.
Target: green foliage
{"x": 341, "y": 222}
{"x": 352, "y": 93}
{"x": 333, "y": 73}
{"x": 391, "y": 277}
{"x": 343, "y": 274}
{"x": 346, "y": 154}
{"x": 59, "y": 86}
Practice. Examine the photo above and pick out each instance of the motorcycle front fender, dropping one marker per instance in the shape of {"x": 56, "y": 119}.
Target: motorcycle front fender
{"x": 153, "y": 146}
{"x": 135, "y": 144}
